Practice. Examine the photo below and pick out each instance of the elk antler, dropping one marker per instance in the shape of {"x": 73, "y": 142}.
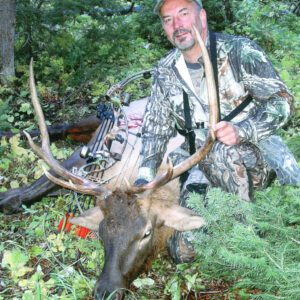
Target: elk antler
{"x": 75, "y": 183}
{"x": 213, "y": 119}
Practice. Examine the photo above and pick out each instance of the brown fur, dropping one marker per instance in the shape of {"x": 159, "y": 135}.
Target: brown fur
{"x": 166, "y": 196}
{"x": 126, "y": 204}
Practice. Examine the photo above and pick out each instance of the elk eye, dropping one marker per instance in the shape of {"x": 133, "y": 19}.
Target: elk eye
{"x": 147, "y": 233}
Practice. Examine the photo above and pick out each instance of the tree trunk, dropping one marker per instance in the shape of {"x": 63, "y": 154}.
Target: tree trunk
{"x": 228, "y": 11}
{"x": 7, "y": 36}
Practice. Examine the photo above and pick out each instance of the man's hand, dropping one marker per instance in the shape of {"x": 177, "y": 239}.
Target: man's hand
{"x": 227, "y": 133}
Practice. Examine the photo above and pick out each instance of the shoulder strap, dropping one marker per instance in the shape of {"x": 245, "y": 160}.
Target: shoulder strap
{"x": 188, "y": 123}
{"x": 238, "y": 109}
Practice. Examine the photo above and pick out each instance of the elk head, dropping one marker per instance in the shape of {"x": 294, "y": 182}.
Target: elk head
{"x": 129, "y": 221}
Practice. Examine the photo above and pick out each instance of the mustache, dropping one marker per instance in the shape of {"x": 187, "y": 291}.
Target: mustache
{"x": 180, "y": 31}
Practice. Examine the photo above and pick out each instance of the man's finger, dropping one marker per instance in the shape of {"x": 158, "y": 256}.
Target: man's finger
{"x": 219, "y": 125}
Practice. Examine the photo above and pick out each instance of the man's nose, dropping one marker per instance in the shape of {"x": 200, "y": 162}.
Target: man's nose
{"x": 177, "y": 23}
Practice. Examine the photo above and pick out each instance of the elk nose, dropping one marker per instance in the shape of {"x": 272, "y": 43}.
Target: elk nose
{"x": 103, "y": 295}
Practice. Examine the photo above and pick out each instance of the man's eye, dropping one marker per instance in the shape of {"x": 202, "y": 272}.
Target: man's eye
{"x": 184, "y": 14}
{"x": 167, "y": 20}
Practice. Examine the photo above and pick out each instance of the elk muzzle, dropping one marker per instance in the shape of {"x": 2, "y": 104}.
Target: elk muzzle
{"x": 110, "y": 285}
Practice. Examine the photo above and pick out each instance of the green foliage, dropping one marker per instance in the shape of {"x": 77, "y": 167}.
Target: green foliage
{"x": 80, "y": 49}
{"x": 15, "y": 260}
{"x": 15, "y": 109}
{"x": 35, "y": 287}
{"x": 253, "y": 245}
{"x": 19, "y": 165}
{"x": 5, "y": 118}
{"x": 293, "y": 142}
{"x": 186, "y": 278}
{"x": 143, "y": 282}
{"x": 83, "y": 43}
{"x": 15, "y": 157}
{"x": 39, "y": 263}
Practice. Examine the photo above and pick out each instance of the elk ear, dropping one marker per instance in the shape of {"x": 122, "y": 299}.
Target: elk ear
{"x": 180, "y": 218}
{"x": 90, "y": 219}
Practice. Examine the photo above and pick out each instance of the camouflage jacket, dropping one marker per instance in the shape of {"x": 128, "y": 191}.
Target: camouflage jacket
{"x": 243, "y": 69}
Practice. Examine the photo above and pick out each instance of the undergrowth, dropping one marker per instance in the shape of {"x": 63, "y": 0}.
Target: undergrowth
{"x": 19, "y": 165}
{"x": 255, "y": 246}
{"x": 246, "y": 250}
{"x": 37, "y": 262}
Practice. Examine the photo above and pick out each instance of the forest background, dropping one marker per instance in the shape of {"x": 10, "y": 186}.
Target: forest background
{"x": 80, "y": 49}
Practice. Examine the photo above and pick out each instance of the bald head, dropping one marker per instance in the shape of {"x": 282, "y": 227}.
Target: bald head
{"x": 160, "y": 3}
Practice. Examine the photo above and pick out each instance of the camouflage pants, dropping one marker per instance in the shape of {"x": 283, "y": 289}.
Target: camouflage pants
{"x": 236, "y": 169}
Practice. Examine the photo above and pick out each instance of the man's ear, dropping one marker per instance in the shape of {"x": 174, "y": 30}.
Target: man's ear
{"x": 203, "y": 19}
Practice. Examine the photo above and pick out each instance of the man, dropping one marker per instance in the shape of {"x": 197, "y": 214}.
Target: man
{"x": 246, "y": 151}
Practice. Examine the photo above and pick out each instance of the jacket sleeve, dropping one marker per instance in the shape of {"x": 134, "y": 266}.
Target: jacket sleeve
{"x": 158, "y": 128}
{"x": 273, "y": 101}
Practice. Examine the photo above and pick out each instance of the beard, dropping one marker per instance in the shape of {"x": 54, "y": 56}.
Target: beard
{"x": 185, "y": 42}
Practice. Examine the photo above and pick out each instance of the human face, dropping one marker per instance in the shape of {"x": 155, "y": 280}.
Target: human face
{"x": 178, "y": 17}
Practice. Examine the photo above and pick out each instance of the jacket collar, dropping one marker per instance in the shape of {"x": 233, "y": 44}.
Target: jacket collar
{"x": 180, "y": 65}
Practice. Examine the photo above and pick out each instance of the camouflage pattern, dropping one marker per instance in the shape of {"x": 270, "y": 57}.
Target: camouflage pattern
{"x": 243, "y": 69}
{"x": 277, "y": 155}
{"x": 236, "y": 169}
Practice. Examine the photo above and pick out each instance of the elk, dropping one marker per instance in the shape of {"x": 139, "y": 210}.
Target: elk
{"x": 134, "y": 223}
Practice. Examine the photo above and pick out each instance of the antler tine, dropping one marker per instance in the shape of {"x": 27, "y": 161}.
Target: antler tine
{"x": 210, "y": 83}
{"x": 71, "y": 186}
{"x": 78, "y": 183}
{"x": 195, "y": 158}
{"x": 213, "y": 119}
